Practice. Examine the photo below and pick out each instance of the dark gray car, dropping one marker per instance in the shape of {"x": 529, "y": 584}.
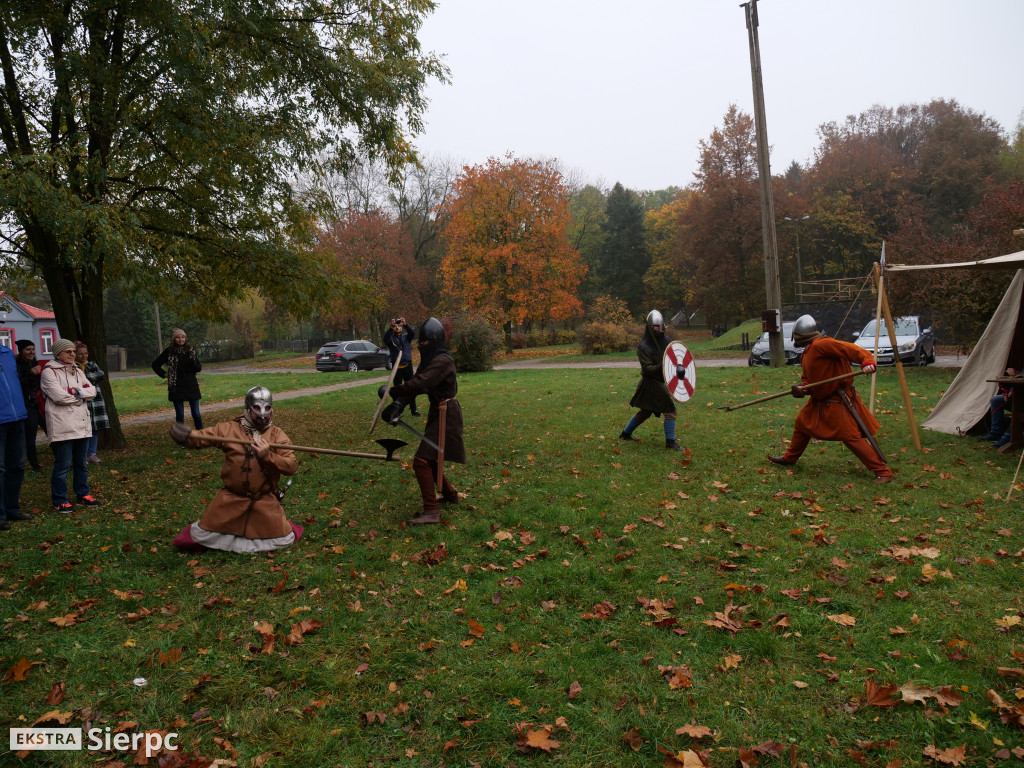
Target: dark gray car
{"x": 351, "y": 356}
{"x": 760, "y": 354}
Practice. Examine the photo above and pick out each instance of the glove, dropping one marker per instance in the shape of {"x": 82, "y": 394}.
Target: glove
{"x": 392, "y": 413}
{"x": 797, "y": 391}
{"x": 869, "y": 368}
{"x": 180, "y": 433}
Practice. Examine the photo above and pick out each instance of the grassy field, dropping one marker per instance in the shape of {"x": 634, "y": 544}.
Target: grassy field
{"x": 588, "y": 603}
{"x": 144, "y": 394}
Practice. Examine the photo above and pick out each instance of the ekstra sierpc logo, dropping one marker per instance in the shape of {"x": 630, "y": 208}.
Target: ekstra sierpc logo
{"x": 67, "y": 739}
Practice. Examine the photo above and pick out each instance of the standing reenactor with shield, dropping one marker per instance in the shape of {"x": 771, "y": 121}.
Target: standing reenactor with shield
{"x": 666, "y": 372}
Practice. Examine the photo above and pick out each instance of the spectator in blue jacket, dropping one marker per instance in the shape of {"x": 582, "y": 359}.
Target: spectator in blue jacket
{"x": 12, "y": 440}
{"x": 398, "y": 341}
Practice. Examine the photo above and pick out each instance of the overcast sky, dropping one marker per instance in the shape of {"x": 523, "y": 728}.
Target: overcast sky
{"x": 625, "y": 91}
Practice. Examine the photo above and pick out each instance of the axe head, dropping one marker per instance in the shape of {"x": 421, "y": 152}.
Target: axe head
{"x": 391, "y": 445}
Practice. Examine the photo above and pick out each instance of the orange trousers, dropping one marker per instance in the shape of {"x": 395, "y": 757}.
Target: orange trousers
{"x": 860, "y": 447}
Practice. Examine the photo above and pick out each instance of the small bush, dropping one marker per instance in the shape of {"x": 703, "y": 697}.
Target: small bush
{"x": 520, "y": 341}
{"x": 565, "y": 336}
{"x": 606, "y": 309}
{"x": 602, "y": 337}
{"x": 473, "y": 344}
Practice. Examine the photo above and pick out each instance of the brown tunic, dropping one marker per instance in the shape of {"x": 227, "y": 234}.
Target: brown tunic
{"x": 246, "y": 505}
{"x": 438, "y": 382}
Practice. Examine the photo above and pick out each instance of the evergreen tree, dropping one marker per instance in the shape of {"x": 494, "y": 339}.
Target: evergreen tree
{"x": 624, "y": 259}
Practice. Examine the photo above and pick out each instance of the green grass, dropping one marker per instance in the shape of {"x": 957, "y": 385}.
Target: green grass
{"x": 558, "y": 516}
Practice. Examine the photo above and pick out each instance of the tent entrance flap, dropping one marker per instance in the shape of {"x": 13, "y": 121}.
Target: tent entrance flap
{"x": 966, "y": 401}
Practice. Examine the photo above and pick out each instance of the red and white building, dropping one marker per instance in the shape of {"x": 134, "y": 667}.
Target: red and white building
{"x": 23, "y": 321}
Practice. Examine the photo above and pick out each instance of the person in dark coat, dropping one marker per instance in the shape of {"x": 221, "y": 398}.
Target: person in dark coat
{"x": 435, "y": 378}
{"x": 398, "y": 341}
{"x": 28, "y": 375}
{"x": 652, "y": 396}
{"x": 182, "y": 366}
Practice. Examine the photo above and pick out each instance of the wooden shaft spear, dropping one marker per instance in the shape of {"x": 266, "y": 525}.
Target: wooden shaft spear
{"x": 790, "y": 391}
{"x": 389, "y": 444}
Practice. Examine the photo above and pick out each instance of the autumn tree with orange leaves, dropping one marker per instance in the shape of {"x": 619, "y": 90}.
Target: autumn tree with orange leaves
{"x": 508, "y": 253}
{"x": 375, "y": 249}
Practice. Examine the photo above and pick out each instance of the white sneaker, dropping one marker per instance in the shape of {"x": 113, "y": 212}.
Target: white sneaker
{"x": 94, "y": 459}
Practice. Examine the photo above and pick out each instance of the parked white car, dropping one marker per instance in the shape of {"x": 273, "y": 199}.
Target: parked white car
{"x": 916, "y": 345}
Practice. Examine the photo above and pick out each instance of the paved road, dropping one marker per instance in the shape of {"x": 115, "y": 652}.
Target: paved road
{"x": 950, "y": 361}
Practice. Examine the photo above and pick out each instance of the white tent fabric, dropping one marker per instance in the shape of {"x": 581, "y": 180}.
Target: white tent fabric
{"x": 966, "y": 400}
{"x": 1009, "y": 261}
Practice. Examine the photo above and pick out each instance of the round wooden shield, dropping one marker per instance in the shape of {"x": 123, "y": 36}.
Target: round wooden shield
{"x": 680, "y": 387}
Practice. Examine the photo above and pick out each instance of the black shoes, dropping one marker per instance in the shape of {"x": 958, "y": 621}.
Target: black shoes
{"x": 672, "y": 445}
{"x": 626, "y": 436}
{"x": 89, "y": 501}
{"x": 17, "y": 516}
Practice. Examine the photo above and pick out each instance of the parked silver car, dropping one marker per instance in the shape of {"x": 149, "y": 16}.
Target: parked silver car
{"x": 916, "y": 344}
{"x": 760, "y": 354}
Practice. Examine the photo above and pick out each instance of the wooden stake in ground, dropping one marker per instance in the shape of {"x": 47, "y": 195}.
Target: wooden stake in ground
{"x": 880, "y": 281}
{"x": 1014, "y": 481}
{"x": 907, "y": 405}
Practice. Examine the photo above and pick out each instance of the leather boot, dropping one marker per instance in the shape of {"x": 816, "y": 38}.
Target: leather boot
{"x": 448, "y": 493}
{"x": 673, "y": 445}
{"x": 425, "y": 478}
{"x": 781, "y": 460}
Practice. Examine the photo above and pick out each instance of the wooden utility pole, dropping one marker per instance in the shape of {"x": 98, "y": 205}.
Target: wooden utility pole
{"x": 773, "y": 289}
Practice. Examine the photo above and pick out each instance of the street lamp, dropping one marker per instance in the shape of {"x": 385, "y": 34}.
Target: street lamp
{"x": 799, "y": 268}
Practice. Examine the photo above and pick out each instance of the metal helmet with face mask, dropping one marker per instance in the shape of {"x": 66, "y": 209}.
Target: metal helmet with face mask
{"x": 654, "y": 318}
{"x": 259, "y": 407}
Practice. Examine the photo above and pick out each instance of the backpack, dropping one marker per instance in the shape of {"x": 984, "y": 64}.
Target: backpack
{"x": 40, "y": 397}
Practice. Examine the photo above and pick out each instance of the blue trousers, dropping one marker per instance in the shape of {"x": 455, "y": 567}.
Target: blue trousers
{"x": 179, "y": 412}
{"x": 12, "y": 466}
{"x": 68, "y": 454}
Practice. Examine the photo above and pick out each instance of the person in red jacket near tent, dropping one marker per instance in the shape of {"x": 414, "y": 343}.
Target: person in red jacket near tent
{"x": 826, "y": 416}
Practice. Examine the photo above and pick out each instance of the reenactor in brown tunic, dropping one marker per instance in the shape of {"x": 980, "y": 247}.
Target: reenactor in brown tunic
{"x": 435, "y": 378}
{"x": 246, "y": 514}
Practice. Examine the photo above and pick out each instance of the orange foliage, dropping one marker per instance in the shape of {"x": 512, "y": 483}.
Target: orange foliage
{"x": 508, "y": 256}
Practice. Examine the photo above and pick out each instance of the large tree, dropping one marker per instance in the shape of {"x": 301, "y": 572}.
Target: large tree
{"x": 379, "y": 251}
{"x": 508, "y": 253}
{"x": 718, "y": 252}
{"x": 153, "y": 143}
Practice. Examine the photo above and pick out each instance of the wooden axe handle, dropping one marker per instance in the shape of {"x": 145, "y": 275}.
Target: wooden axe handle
{"x": 300, "y": 448}
{"x": 789, "y": 391}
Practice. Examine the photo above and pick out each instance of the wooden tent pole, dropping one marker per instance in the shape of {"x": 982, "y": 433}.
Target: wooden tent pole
{"x": 879, "y": 279}
{"x": 907, "y": 405}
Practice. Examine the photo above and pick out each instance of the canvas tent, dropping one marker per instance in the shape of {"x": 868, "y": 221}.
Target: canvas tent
{"x": 965, "y": 402}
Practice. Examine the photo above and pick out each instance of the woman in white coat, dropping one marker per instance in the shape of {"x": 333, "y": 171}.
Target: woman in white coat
{"x": 68, "y": 425}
